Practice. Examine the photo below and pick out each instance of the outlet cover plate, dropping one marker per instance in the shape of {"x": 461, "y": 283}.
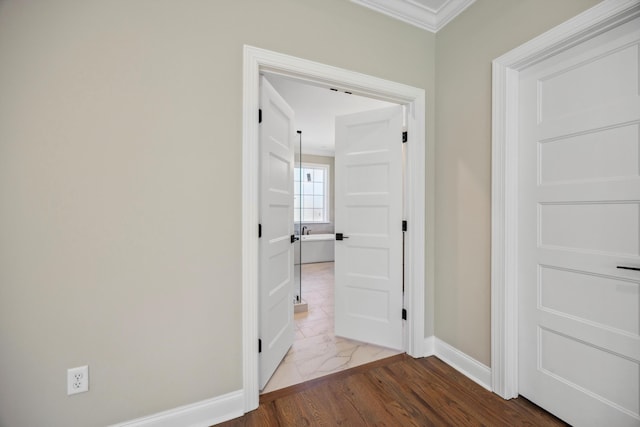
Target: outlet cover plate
{"x": 78, "y": 380}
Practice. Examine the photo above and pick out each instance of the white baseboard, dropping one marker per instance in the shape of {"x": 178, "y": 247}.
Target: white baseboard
{"x": 467, "y": 365}
{"x": 200, "y": 414}
{"x": 429, "y": 346}
{"x": 231, "y": 405}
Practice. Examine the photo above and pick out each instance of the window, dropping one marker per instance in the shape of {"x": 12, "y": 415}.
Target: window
{"x": 311, "y": 189}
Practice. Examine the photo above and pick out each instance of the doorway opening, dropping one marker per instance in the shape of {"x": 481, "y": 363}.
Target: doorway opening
{"x": 316, "y": 350}
{"x": 417, "y": 278}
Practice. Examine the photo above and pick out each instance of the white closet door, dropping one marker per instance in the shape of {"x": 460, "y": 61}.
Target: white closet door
{"x": 579, "y": 346}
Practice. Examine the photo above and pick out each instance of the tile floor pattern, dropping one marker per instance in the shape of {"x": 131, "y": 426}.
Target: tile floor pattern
{"x": 316, "y": 351}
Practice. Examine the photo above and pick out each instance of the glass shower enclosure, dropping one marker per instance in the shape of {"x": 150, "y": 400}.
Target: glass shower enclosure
{"x": 297, "y": 216}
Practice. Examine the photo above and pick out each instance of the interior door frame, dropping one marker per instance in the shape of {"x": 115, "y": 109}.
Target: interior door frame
{"x": 417, "y": 278}
{"x": 504, "y": 174}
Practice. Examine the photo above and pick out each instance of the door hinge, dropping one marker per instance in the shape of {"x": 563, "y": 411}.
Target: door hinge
{"x": 404, "y": 314}
{"x": 404, "y": 136}
{"x": 259, "y": 231}
{"x": 259, "y": 345}
{"x": 404, "y": 225}
{"x": 260, "y": 115}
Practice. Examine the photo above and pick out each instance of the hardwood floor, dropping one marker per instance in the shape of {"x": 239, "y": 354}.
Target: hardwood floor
{"x": 397, "y": 391}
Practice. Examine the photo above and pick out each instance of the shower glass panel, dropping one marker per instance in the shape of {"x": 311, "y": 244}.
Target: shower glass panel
{"x": 297, "y": 215}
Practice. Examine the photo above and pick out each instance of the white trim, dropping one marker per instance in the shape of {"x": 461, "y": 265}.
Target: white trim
{"x": 259, "y": 60}
{"x": 429, "y": 346}
{"x": 504, "y": 199}
{"x": 417, "y": 14}
{"x": 463, "y": 363}
{"x": 201, "y": 414}
{"x": 449, "y": 11}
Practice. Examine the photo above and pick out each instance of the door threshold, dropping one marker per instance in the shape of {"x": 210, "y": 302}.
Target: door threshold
{"x": 296, "y": 388}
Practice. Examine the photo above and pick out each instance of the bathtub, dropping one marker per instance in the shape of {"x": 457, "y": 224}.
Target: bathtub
{"x": 315, "y": 248}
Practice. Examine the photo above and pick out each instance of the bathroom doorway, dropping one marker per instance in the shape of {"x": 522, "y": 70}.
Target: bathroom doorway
{"x": 317, "y": 351}
{"x": 419, "y": 252}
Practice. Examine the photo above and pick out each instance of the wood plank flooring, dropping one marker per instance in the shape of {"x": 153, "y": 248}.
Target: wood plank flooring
{"x": 397, "y": 391}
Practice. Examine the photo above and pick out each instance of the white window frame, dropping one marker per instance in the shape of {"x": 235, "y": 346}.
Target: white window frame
{"x": 326, "y": 218}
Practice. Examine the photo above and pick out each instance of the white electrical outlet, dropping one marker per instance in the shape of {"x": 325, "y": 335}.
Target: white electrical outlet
{"x": 78, "y": 380}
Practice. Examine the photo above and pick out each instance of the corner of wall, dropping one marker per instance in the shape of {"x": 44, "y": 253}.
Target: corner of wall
{"x": 461, "y": 362}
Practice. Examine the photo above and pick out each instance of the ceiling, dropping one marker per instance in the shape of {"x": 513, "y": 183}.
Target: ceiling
{"x": 316, "y": 108}
{"x": 430, "y": 15}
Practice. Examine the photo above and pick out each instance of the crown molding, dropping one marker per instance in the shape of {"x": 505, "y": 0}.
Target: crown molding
{"x": 414, "y": 13}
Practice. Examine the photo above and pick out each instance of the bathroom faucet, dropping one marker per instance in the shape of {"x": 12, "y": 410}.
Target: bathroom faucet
{"x": 304, "y": 228}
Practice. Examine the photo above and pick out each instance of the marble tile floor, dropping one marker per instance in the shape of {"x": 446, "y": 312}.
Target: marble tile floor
{"x": 316, "y": 351}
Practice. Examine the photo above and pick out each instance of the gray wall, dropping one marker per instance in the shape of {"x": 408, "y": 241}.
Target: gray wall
{"x": 120, "y": 189}
{"x": 464, "y": 51}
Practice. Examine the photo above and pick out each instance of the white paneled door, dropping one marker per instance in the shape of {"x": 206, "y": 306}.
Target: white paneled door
{"x": 368, "y": 212}
{"x": 579, "y": 209}
{"x": 277, "y": 138}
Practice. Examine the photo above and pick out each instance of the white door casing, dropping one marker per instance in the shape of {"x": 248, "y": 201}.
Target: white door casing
{"x": 505, "y": 169}
{"x": 579, "y": 343}
{"x": 419, "y": 255}
{"x": 368, "y": 212}
{"x": 277, "y": 139}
